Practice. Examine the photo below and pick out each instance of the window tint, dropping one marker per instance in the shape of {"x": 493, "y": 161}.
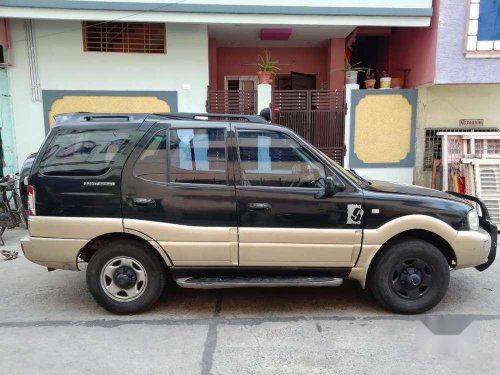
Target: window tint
{"x": 83, "y": 153}
{"x": 152, "y": 164}
{"x": 274, "y": 159}
{"x": 198, "y": 156}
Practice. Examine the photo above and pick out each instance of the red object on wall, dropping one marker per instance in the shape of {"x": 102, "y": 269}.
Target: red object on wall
{"x": 4, "y": 32}
{"x": 348, "y": 54}
{"x": 275, "y": 34}
{"x": 462, "y": 189}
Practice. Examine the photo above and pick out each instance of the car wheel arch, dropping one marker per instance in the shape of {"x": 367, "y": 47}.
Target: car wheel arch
{"x": 439, "y": 242}
{"x": 98, "y": 243}
{"x": 370, "y": 252}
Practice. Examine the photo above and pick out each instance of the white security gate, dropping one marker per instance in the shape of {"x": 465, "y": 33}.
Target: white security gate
{"x": 478, "y": 156}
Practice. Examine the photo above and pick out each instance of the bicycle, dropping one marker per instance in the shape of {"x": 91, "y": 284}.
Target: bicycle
{"x": 12, "y": 212}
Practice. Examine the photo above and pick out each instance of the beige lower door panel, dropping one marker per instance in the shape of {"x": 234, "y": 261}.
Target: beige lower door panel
{"x": 192, "y": 245}
{"x": 299, "y": 247}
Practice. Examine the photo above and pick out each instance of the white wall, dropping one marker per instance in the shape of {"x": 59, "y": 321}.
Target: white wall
{"x": 397, "y": 175}
{"x": 63, "y": 65}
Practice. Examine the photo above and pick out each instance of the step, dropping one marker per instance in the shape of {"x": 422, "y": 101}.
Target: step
{"x": 223, "y": 282}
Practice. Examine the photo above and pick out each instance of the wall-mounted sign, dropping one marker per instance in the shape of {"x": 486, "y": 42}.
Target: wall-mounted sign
{"x": 471, "y": 122}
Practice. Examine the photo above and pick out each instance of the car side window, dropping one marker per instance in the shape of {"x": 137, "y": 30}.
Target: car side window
{"x": 198, "y": 156}
{"x": 274, "y": 159}
{"x": 152, "y": 164}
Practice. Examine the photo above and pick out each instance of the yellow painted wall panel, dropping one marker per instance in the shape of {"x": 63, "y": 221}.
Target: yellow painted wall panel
{"x": 113, "y": 104}
{"x": 383, "y": 128}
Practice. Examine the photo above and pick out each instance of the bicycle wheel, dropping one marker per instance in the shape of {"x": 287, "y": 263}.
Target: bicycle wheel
{"x": 23, "y": 215}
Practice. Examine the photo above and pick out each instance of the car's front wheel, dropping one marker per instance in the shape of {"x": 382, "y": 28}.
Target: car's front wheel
{"x": 410, "y": 276}
{"x": 125, "y": 277}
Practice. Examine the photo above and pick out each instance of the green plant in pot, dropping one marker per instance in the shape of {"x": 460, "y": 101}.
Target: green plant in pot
{"x": 370, "y": 79}
{"x": 267, "y": 67}
{"x": 351, "y": 71}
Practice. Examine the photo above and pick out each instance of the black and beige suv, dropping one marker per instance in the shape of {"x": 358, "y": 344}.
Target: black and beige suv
{"x": 223, "y": 201}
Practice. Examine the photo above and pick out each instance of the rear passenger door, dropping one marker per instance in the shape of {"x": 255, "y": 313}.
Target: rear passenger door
{"x": 178, "y": 189}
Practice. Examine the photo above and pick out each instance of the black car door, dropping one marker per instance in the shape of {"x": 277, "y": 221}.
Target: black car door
{"x": 178, "y": 189}
{"x": 281, "y": 219}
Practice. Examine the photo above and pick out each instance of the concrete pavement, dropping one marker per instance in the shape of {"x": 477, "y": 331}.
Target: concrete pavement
{"x": 49, "y": 324}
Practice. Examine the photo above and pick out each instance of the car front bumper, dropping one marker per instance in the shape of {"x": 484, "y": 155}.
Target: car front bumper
{"x": 487, "y": 225}
{"x": 493, "y": 231}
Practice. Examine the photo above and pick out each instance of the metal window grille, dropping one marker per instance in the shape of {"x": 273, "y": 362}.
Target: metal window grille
{"x": 433, "y": 142}
{"x": 138, "y": 37}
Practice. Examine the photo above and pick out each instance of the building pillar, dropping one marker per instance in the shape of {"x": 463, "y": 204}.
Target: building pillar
{"x": 212, "y": 63}
{"x": 336, "y": 53}
{"x": 347, "y": 124}
{"x": 264, "y": 92}
{"x": 7, "y": 127}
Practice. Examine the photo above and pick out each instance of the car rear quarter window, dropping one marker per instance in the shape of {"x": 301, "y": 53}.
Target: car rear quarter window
{"x": 83, "y": 153}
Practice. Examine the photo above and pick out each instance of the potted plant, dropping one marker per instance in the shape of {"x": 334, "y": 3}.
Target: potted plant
{"x": 351, "y": 71}
{"x": 370, "y": 79}
{"x": 267, "y": 67}
{"x": 397, "y": 82}
{"x": 385, "y": 80}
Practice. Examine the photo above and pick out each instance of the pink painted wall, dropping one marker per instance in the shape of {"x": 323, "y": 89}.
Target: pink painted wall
{"x": 336, "y": 53}
{"x": 4, "y": 32}
{"x": 212, "y": 63}
{"x": 234, "y": 61}
{"x": 415, "y": 49}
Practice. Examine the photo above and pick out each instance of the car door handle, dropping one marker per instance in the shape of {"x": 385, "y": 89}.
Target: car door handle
{"x": 144, "y": 202}
{"x": 259, "y": 206}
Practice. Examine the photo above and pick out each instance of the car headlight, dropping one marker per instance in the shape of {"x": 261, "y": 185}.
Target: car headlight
{"x": 473, "y": 220}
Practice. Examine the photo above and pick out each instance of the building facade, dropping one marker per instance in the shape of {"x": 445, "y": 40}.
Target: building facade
{"x": 80, "y": 56}
{"x": 103, "y": 56}
{"x": 465, "y": 83}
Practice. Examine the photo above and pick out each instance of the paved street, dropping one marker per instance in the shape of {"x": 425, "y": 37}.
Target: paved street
{"x": 49, "y": 324}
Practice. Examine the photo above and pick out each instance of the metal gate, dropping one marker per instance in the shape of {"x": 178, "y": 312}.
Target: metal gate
{"x": 233, "y": 101}
{"x": 317, "y": 115}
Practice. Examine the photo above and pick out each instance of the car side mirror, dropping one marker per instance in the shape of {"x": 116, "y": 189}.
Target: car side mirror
{"x": 332, "y": 187}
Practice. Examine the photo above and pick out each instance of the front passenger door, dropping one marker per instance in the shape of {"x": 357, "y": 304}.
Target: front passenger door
{"x": 280, "y": 220}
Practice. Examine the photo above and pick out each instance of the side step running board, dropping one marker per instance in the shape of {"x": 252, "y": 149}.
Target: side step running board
{"x": 249, "y": 282}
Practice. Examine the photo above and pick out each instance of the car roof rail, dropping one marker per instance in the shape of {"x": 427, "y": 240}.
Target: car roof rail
{"x": 83, "y": 117}
{"x": 215, "y": 116}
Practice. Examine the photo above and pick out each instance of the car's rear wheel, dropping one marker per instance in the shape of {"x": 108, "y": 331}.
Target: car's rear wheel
{"x": 410, "y": 276}
{"x": 125, "y": 277}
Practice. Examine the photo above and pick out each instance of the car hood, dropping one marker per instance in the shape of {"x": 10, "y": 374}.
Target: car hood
{"x": 389, "y": 187}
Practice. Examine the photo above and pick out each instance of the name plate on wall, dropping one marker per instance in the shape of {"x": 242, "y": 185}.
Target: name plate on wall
{"x": 471, "y": 122}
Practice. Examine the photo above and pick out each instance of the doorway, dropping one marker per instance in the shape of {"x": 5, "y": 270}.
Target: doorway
{"x": 296, "y": 81}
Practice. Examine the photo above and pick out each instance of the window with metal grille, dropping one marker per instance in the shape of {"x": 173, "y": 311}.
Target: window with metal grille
{"x": 433, "y": 142}
{"x": 139, "y": 37}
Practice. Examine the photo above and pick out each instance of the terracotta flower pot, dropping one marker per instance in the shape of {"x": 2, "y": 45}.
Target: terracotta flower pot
{"x": 385, "y": 82}
{"x": 370, "y": 83}
{"x": 397, "y": 83}
{"x": 264, "y": 77}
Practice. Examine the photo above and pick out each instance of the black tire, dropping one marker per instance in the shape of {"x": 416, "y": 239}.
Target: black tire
{"x": 414, "y": 289}
{"x": 145, "y": 260}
